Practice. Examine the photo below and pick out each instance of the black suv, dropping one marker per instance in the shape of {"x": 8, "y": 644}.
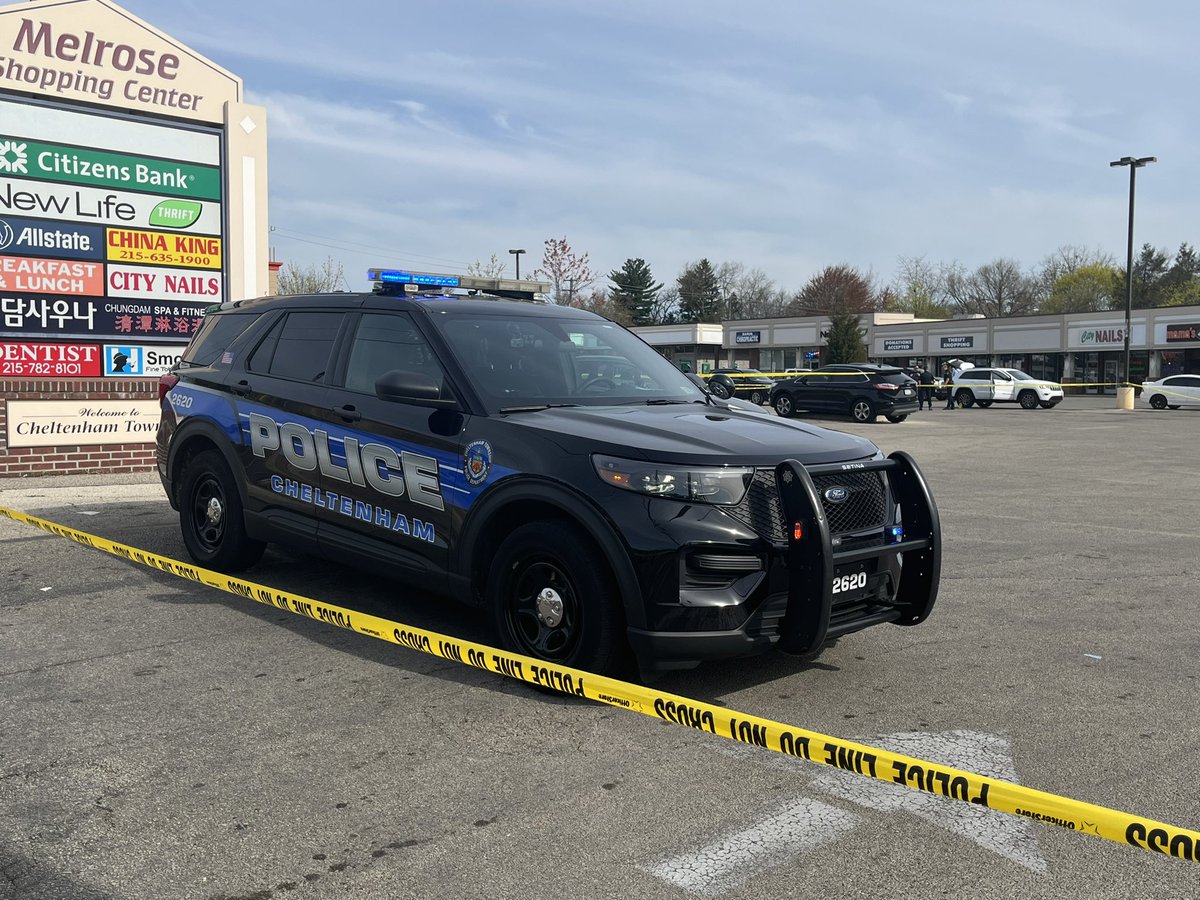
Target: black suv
{"x": 748, "y": 384}
{"x": 859, "y": 390}
{"x": 478, "y": 449}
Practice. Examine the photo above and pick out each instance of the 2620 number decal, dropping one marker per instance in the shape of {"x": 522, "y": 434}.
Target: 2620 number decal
{"x": 849, "y": 582}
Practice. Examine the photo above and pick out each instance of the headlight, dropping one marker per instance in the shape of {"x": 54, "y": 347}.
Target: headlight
{"x": 725, "y": 485}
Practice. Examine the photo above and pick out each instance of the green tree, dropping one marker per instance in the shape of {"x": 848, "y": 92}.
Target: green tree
{"x": 845, "y": 342}
{"x": 1182, "y": 278}
{"x": 634, "y": 291}
{"x": 316, "y": 278}
{"x": 1149, "y": 278}
{"x": 1086, "y": 289}
{"x": 699, "y": 294}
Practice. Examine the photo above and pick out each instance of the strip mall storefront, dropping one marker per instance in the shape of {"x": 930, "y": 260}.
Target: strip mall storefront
{"x": 1085, "y": 349}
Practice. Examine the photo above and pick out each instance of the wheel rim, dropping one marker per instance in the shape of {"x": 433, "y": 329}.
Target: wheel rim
{"x": 1158, "y": 402}
{"x": 783, "y": 406}
{"x": 862, "y": 410}
{"x": 1029, "y": 401}
{"x": 543, "y": 611}
{"x": 209, "y": 513}
{"x": 756, "y": 398}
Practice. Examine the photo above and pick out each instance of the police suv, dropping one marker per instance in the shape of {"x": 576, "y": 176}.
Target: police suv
{"x": 474, "y": 446}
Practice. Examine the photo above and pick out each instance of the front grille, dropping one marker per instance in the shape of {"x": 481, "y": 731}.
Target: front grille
{"x": 864, "y": 507}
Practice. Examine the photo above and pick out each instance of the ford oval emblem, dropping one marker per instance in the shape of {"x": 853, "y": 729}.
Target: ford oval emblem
{"x": 836, "y": 494}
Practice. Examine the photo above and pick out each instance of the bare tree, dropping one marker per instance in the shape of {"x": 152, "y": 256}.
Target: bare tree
{"x": 838, "y": 288}
{"x": 493, "y": 268}
{"x": 996, "y": 289}
{"x": 568, "y": 272}
{"x": 604, "y": 304}
{"x": 729, "y": 277}
{"x": 317, "y": 278}
{"x": 757, "y": 295}
{"x": 920, "y": 288}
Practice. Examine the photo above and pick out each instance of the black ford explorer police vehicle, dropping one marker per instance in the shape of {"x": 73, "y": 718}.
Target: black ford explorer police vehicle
{"x": 488, "y": 449}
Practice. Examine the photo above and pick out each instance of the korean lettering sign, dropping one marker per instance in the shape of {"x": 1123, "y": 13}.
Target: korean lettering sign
{"x": 109, "y": 228}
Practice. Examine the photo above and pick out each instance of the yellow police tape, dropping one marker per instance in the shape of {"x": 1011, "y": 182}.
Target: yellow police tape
{"x": 872, "y": 762}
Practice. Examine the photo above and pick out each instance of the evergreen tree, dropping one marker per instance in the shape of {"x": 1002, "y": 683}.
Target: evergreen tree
{"x": 1149, "y": 276}
{"x": 845, "y": 343}
{"x": 634, "y": 291}
{"x": 699, "y": 293}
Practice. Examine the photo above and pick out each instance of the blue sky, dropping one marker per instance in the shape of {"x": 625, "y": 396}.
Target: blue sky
{"x": 785, "y": 136}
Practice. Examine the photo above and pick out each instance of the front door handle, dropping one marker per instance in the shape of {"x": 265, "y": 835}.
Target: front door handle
{"x": 242, "y": 388}
{"x": 349, "y": 413}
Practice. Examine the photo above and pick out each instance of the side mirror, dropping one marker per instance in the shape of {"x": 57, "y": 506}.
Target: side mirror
{"x": 398, "y": 386}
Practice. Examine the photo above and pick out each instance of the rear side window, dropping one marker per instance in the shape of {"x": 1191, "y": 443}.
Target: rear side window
{"x": 298, "y": 347}
{"x": 387, "y": 342}
{"x": 216, "y": 333}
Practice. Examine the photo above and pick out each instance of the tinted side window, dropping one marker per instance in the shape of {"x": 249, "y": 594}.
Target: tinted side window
{"x": 1192, "y": 381}
{"x": 216, "y": 333}
{"x": 385, "y": 342}
{"x": 974, "y": 375}
{"x": 303, "y": 344}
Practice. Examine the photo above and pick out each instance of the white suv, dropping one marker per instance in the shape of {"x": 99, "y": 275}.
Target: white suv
{"x": 983, "y": 387}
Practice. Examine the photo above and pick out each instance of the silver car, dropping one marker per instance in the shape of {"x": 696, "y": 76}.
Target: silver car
{"x": 985, "y": 386}
{"x": 1172, "y": 392}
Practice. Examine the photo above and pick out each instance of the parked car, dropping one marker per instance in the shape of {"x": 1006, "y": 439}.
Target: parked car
{"x": 1172, "y": 392}
{"x": 983, "y": 386}
{"x": 749, "y": 384}
{"x": 859, "y": 390}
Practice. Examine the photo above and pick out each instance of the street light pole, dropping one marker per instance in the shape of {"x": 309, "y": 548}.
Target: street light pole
{"x": 517, "y": 254}
{"x": 1134, "y": 164}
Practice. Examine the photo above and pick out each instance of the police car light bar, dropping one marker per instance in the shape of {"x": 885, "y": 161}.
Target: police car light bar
{"x": 463, "y": 282}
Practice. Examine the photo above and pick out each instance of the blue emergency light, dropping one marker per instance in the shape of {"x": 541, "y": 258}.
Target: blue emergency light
{"x": 394, "y": 276}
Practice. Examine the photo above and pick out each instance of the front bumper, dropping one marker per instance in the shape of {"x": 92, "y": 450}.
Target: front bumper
{"x": 901, "y": 579}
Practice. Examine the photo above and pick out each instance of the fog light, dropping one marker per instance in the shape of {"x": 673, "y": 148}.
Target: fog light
{"x": 897, "y": 534}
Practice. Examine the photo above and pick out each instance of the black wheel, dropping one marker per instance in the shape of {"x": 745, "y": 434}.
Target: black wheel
{"x": 1158, "y": 401}
{"x": 897, "y": 419}
{"x": 552, "y": 597}
{"x": 211, "y": 517}
{"x": 862, "y": 410}
{"x": 983, "y": 404}
{"x": 964, "y": 398}
{"x": 784, "y": 405}
{"x": 1028, "y": 400}
{"x": 720, "y": 388}
{"x": 757, "y": 398}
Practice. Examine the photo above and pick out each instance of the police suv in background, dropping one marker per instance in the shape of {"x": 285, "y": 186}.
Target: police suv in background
{"x": 475, "y": 447}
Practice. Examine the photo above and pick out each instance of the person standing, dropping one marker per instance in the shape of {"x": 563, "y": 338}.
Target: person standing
{"x": 924, "y": 388}
{"x": 951, "y": 376}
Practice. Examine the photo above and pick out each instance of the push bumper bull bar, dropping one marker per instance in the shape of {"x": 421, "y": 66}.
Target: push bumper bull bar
{"x": 813, "y": 562}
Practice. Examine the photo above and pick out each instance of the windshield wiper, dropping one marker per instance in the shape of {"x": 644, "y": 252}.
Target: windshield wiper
{"x": 664, "y": 402}
{"x": 535, "y": 407}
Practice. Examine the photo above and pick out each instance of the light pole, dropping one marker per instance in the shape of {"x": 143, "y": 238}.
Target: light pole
{"x": 517, "y": 254}
{"x": 1134, "y": 164}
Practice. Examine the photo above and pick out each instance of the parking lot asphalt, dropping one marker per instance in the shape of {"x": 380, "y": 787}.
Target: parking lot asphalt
{"x": 163, "y": 740}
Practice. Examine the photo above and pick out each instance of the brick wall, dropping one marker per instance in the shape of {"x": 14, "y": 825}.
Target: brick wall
{"x": 72, "y": 460}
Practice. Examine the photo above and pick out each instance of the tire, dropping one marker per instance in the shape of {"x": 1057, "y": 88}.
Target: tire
{"x": 784, "y": 406}
{"x": 757, "y": 398}
{"x": 897, "y": 419}
{"x": 211, "y": 516}
{"x": 862, "y": 410}
{"x": 552, "y": 597}
{"x": 964, "y": 398}
{"x": 983, "y": 404}
{"x": 1158, "y": 401}
{"x": 1028, "y": 400}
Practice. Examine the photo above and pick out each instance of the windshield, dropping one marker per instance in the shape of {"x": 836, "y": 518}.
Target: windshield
{"x": 1019, "y": 375}
{"x": 534, "y": 361}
